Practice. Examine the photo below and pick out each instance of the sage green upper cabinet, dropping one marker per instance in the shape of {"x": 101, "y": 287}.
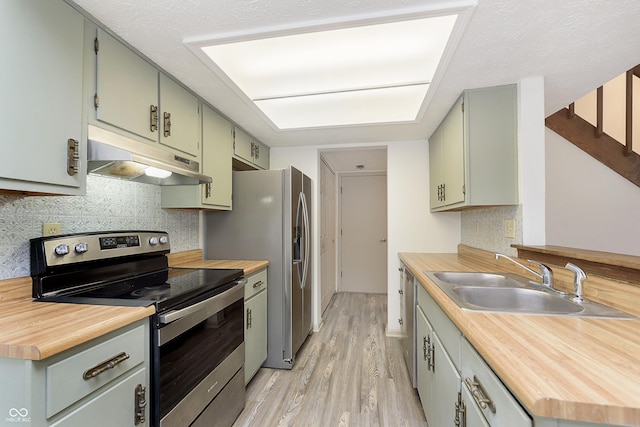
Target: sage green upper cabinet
{"x": 179, "y": 117}
{"x": 126, "y": 89}
{"x": 217, "y": 142}
{"x": 473, "y": 153}
{"x": 41, "y": 105}
{"x": 446, "y": 154}
{"x": 249, "y": 151}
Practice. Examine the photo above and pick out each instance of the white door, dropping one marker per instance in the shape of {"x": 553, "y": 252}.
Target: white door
{"x": 327, "y": 235}
{"x": 363, "y": 222}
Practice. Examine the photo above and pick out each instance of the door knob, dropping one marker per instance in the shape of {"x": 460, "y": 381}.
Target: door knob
{"x": 383, "y": 240}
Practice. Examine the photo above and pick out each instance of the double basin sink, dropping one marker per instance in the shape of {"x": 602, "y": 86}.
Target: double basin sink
{"x": 511, "y": 293}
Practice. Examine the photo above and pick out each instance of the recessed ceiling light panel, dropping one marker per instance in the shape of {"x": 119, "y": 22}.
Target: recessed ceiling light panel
{"x": 363, "y": 74}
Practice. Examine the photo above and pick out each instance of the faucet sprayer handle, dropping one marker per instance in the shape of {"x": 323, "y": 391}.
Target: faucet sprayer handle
{"x": 578, "y": 278}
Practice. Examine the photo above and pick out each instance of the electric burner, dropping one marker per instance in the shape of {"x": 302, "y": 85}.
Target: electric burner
{"x": 155, "y": 292}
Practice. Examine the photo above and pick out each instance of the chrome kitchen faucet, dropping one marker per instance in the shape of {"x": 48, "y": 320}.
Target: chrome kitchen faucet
{"x": 545, "y": 275}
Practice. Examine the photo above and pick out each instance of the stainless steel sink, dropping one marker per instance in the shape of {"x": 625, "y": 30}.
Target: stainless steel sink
{"x": 511, "y": 293}
{"x": 516, "y": 299}
{"x": 473, "y": 278}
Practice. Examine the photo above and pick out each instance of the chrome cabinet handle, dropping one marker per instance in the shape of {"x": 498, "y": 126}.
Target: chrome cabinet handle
{"x": 167, "y": 124}
{"x": 105, "y": 366}
{"x": 460, "y": 419}
{"x": 73, "y": 156}
{"x": 153, "y": 118}
{"x": 480, "y": 394}
{"x": 258, "y": 284}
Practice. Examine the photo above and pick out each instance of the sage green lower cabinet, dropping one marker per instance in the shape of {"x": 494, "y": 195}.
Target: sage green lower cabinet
{"x": 255, "y": 323}
{"x": 453, "y": 379}
{"x": 500, "y": 408}
{"x": 438, "y": 377}
{"x": 71, "y": 389}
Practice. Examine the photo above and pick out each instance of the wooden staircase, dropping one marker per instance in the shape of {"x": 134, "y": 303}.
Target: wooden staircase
{"x": 617, "y": 155}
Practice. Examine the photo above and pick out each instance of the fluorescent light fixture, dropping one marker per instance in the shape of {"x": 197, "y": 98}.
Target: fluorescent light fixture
{"x": 156, "y": 172}
{"x": 377, "y": 73}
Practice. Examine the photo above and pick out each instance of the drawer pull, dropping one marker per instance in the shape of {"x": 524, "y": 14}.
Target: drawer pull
{"x": 104, "y": 366}
{"x": 258, "y": 284}
{"x": 480, "y": 394}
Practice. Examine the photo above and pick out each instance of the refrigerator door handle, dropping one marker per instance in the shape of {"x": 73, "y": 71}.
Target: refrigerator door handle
{"x": 307, "y": 242}
{"x": 298, "y": 241}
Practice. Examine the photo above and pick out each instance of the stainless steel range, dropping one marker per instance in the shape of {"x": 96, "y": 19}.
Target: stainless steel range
{"x": 197, "y": 348}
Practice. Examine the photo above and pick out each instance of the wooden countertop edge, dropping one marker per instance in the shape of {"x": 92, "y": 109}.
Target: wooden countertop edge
{"x": 95, "y": 322}
{"x": 537, "y": 403}
{"x": 194, "y": 259}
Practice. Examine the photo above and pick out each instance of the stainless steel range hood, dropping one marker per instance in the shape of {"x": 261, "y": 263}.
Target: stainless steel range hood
{"x": 116, "y": 156}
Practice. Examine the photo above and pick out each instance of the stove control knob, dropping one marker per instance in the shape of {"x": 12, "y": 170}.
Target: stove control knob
{"x": 81, "y": 248}
{"x": 164, "y": 240}
{"x": 153, "y": 241}
{"x": 62, "y": 249}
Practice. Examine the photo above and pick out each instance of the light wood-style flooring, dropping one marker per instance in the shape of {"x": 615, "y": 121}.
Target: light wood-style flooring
{"x": 347, "y": 374}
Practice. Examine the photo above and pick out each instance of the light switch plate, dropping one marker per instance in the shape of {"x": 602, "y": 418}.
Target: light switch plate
{"x": 510, "y": 228}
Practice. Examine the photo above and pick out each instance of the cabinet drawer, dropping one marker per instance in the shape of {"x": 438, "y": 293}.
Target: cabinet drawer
{"x": 255, "y": 283}
{"x": 64, "y": 379}
{"x": 114, "y": 407}
{"x": 447, "y": 331}
{"x": 508, "y": 412}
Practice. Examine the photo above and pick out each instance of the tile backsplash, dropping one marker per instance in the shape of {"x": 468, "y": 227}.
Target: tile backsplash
{"x": 484, "y": 228}
{"x": 110, "y": 204}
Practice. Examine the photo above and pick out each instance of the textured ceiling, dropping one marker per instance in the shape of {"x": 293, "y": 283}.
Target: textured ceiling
{"x": 575, "y": 45}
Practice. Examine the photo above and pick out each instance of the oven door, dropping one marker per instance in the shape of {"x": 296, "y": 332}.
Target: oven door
{"x": 199, "y": 349}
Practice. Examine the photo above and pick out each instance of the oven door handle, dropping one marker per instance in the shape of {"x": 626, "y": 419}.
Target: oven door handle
{"x": 225, "y": 297}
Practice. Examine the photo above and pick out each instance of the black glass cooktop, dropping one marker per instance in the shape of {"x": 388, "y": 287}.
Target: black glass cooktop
{"x": 166, "y": 289}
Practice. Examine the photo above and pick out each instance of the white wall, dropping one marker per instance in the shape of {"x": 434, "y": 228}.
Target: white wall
{"x": 588, "y": 205}
{"x": 411, "y": 227}
{"x": 531, "y": 159}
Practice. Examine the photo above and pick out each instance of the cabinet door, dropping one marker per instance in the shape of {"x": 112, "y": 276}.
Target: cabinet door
{"x": 179, "y": 118}
{"x": 424, "y": 375}
{"x": 41, "y": 104}
{"x": 260, "y": 155}
{"x": 217, "y": 151}
{"x": 114, "y": 406}
{"x": 242, "y": 145}
{"x": 436, "y": 178}
{"x": 255, "y": 334}
{"x": 445, "y": 387}
{"x": 473, "y": 415}
{"x": 126, "y": 88}
{"x": 453, "y": 155}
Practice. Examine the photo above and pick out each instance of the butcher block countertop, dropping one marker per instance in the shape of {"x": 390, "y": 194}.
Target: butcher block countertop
{"x": 37, "y": 330}
{"x": 582, "y": 369}
{"x": 193, "y": 259}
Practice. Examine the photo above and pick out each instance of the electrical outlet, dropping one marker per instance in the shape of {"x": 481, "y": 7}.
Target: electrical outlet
{"x": 510, "y": 228}
{"x": 51, "y": 228}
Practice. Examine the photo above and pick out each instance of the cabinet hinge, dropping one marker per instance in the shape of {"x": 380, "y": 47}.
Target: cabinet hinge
{"x": 464, "y": 189}
{"x": 96, "y": 45}
{"x": 462, "y": 107}
{"x": 96, "y": 101}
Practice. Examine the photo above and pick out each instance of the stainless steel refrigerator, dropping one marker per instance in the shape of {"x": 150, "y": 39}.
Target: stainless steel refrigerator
{"x": 271, "y": 219}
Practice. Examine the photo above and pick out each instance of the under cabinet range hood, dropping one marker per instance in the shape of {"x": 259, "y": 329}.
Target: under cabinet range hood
{"x": 117, "y": 156}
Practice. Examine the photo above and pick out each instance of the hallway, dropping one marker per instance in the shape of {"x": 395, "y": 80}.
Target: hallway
{"x": 348, "y": 374}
